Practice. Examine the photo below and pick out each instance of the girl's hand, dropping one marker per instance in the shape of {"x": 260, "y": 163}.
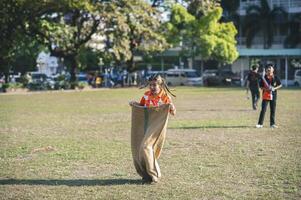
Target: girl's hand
{"x": 172, "y": 109}
{"x": 131, "y": 103}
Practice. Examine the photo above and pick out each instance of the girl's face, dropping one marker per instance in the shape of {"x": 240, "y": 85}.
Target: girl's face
{"x": 270, "y": 71}
{"x": 154, "y": 87}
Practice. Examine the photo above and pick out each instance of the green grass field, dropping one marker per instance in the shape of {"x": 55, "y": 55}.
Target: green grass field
{"x": 76, "y": 145}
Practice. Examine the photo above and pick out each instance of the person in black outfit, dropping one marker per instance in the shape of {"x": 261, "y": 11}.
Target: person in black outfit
{"x": 253, "y": 85}
{"x": 269, "y": 84}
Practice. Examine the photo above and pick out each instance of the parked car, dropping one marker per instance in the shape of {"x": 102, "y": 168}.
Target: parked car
{"x": 189, "y": 77}
{"x": 220, "y": 77}
{"x": 82, "y": 77}
{"x": 40, "y": 81}
{"x": 147, "y": 74}
{"x": 297, "y": 79}
{"x": 229, "y": 77}
{"x": 151, "y": 73}
{"x": 210, "y": 72}
{"x": 15, "y": 77}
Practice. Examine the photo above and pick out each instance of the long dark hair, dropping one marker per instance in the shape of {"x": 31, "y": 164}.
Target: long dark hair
{"x": 161, "y": 82}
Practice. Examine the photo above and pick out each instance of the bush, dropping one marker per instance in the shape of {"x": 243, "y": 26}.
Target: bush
{"x": 24, "y": 80}
{"x": 82, "y": 85}
{"x": 62, "y": 82}
{"x": 73, "y": 84}
{"x": 4, "y": 87}
{"x": 37, "y": 86}
{"x": 15, "y": 85}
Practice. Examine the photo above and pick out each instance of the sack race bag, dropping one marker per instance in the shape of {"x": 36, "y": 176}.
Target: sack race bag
{"x": 147, "y": 138}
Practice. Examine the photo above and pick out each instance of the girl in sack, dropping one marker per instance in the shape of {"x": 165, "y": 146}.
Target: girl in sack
{"x": 149, "y": 124}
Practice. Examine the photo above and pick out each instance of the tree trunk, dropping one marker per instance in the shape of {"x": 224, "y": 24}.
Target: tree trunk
{"x": 4, "y": 64}
{"x": 193, "y": 56}
{"x": 6, "y": 77}
{"x": 73, "y": 69}
{"x": 202, "y": 67}
{"x": 130, "y": 64}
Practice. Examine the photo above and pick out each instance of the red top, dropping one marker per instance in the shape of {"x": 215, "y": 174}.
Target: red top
{"x": 267, "y": 95}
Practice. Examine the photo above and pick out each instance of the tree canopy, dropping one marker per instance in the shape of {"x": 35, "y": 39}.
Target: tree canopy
{"x": 208, "y": 36}
{"x": 11, "y": 21}
{"x": 133, "y": 27}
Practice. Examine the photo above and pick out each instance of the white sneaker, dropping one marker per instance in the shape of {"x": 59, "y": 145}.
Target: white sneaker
{"x": 259, "y": 126}
{"x": 274, "y": 126}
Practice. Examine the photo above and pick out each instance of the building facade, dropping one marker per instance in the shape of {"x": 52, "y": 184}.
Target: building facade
{"x": 280, "y": 25}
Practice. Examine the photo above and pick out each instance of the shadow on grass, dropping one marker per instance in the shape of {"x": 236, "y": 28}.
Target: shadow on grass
{"x": 71, "y": 182}
{"x": 208, "y": 127}
{"x": 220, "y": 110}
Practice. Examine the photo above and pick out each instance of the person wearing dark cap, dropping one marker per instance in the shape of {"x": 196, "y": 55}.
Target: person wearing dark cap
{"x": 269, "y": 84}
{"x": 253, "y": 85}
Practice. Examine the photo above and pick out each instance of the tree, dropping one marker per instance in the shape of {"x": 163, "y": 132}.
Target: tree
{"x": 230, "y": 11}
{"x": 217, "y": 40}
{"x": 11, "y": 21}
{"x": 262, "y": 18}
{"x": 88, "y": 59}
{"x": 230, "y": 6}
{"x": 65, "y": 28}
{"x": 157, "y": 3}
{"x": 199, "y": 8}
{"x": 182, "y": 30}
{"x": 133, "y": 28}
{"x": 25, "y": 55}
{"x": 205, "y": 36}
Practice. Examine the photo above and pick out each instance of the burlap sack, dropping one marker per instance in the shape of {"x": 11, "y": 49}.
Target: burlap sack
{"x": 147, "y": 139}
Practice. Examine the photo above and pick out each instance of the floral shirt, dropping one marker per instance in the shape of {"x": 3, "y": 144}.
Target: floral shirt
{"x": 150, "y": 100}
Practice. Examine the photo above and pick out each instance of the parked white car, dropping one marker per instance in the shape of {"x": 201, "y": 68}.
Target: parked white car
{"x": 297, "y": 80}
{"x": 188, "y": 77}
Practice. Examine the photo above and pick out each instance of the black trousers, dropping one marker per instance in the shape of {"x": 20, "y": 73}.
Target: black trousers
{"x": 264, "y": 105}
{"x": 255, "y": 97}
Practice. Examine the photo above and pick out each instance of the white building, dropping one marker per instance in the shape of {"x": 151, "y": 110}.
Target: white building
{"x": 47, "y": 64}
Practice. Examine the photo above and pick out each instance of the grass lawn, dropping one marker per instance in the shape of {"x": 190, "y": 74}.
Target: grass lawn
{"x": 76, "y": 145}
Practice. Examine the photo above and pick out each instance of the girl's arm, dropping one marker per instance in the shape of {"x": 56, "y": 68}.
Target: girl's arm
{"x": 276, "y": 88}
{"x": 172, "y": 106}
{"x": 278, "y": 84}
{"x": 172, "y": 109}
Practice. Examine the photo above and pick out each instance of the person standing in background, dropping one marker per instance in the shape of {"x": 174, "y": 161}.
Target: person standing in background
{"x": 253, "y": 85}
{"x": 269, "y": 84}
